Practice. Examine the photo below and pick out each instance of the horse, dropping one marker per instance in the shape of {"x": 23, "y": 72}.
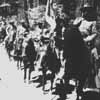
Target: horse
{"x": 50, "y": 63}
{"x": 9, "y": 43}
{"x": 9, "y": 46}
{"x": 29, "y": 58}
{"x": 2, "y": 35}
{"x": 18, "y": 52}
{"x": 76, "y": 53}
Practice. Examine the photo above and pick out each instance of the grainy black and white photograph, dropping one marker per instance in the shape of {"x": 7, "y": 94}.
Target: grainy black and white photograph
{"x": 50, "y": 49}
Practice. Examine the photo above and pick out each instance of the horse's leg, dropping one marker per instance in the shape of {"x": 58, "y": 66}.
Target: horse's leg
{"x": 18, "y": 64}
{"x": 21, "y": 64}
{"x": 57, "y": 52}
{"x": 25, "y": 73}
{"x": 80, "y": 89}
{"x": 52, "y": 80}
{"x": 9, "y": 55}
{"x": 44, "y": 80}
{"x": 29, "y": 74}
{"x": 61, "y": 58}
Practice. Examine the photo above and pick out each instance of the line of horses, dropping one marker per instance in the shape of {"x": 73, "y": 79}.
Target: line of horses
{"x": 73, "y": 56}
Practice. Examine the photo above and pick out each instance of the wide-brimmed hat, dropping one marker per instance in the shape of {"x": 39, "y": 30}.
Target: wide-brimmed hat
{"x": 86, "y": 7}
{"x": 22, "y": 21}
{"x": 11, "y": 22}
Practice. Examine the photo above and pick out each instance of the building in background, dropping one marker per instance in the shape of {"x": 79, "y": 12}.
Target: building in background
{"x": 72, "y": 7}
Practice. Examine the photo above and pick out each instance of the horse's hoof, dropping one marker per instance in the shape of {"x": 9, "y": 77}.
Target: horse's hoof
{"x": 46, "y": 91}
{"x": 17, "y": 67}
{"x": 22, "y": 68}
{"x": 24, "y": 81}
{"x": 29, "y": 82}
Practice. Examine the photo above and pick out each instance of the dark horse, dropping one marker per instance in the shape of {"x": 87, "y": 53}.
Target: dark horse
{"x": 18, "y": 52}
{"x": 77, "y": 58}
{"x": 2, "y": 35}
{"x": 9, "y": 44}
{"x": 28, "y": 60}
{"x": 51, "y": 63}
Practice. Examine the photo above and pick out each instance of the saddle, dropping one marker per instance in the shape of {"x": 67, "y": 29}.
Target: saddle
{"x": 59, "y": 42}
{"x": 45, "y": 40}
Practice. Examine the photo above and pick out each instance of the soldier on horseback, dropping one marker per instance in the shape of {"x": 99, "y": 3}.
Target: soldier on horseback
{"x": 87, "y": 23}
{"x": 22, "y": 31}
{"x": 3, "y": 33}
{"x": 87, "y": 27}
{"x": 10, "y": 38}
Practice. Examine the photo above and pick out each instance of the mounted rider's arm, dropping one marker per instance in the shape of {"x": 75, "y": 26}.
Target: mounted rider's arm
{"x": 93, "y": 35}
{"x": 90, "y": 37}
{"x": 77, "y": 21}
